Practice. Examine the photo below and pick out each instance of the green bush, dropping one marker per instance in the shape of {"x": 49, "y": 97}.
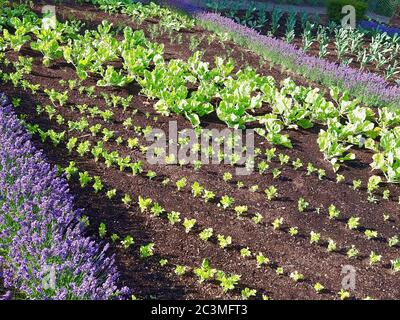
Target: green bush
{"x": 335, "y": 9}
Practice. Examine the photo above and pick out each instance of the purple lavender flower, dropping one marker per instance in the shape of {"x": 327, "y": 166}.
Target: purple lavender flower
{"x": 6, "y": 296}
{"x": 374, "y": 26}
{"x": 46, "y": 254}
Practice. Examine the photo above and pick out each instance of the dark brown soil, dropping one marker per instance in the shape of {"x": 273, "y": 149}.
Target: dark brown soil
{"x": 146, "y": 277}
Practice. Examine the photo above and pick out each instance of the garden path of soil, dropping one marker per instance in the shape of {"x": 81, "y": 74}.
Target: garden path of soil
{"x": 148, "y": 279}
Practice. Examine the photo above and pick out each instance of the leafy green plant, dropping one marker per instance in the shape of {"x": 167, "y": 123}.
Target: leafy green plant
{"x": 395, "y": 265}
{"x": 188, "y": 224}
{"x": 277, "y": 223}
{"x": 257, "y": 218}
{"x": 84, "y": 179}
{"x": 302, "y": 204}
{"x": 271, "y": 192}
{"x": 224, "y": 241}
{"x": 331, "y": 245}
{"x": 393, "y": 241}
{"x": 319, "y": 288}
{"x": 127, "y": 200}
{"x": 352, "y": 252}
{"x": 374, "y": 258}
{"x": 356, "y": 184}
{"x": 127, "y": 242}
{"x": 180, "y": 270}
{"x": 173, "y": 217}
{"x": 98, "y": 184}
{"x": 144, "y": 204}
{"x": 83, "y": 148}
{"x": 71, "y": 170}
{"x": 296, "y": 276}
{"x": 114, "y": 237}
{"x": 333, "y": 212}
{"x": 111, "y": 193}
{"x": 163, "y": 262}
{"x": 245, "y": 252}
{"x": 343, "y": 294}
{"x": 293, "y": 231}
{"x": 226, "y": 201}
{"x": 181, "y": 183}
{"x": 261, "y": 260}
{"x": 147, "y": 250}
{"x": 206, "y": 234}
{"x": 371, "y": 234}
{"x": 102, "y": 230}
{"x": 241, "y": 210}
{"x": 248, "y": 293}
{"x": 156, "y": 209}
{"x": 205, "y": 272}
{"x": 208, "y": 195}
{"x": 227, "y": 283}
{"x": 314, "y": 237}
{"x": 353, "y": 223}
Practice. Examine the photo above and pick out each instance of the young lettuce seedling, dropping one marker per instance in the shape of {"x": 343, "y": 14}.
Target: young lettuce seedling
{"x": 173, "y": 217}
{"x": 144, "y": 203}
{"x": 374, "y": 258}
{"x": 277, "y": 223}
{"x": 224, "y": 241}
{"x": 240, "y": 211}
{"x": 102, "y": 230}
{"x": 226, "y": 201}
{"x": 319, "y": 288}
{"x": 126, "y": 200}
{"x": 261, "y": 260}
{"x": 302, "y": 204}
{"x": 206, "y": 234}
{"x": 296, "y": 276}
{"x": 248, "y": 293}
{"x": 146, "y": 251}
{"x": 257, "y": 218}
{"x": 245, "y": 252}
{"x": 227, "y": 283}
{"x": 343, "y": 294}
{"x": 188, "y": 224}
{"x": 180, "y": 270}
{"x": 156, "y": 210}
{"x": 205, "y": 272}
{"x": 352, "y": 252}
{"x": 127, "y": 242}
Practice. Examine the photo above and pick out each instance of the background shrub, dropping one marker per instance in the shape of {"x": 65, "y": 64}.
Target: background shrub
{"x": 335, "y": 9}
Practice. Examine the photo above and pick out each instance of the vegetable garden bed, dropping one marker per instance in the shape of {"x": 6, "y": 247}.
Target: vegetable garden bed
{"x": 201, "y": 231}
{"x": 360, "y": 48}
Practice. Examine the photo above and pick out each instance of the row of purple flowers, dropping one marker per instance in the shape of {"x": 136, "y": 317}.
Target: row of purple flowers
{"x": 374, "y": 26}
{"x": 44, "y": 253}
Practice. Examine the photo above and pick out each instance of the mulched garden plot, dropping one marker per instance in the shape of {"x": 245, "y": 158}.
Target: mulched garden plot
{"x": 147, "y": 278}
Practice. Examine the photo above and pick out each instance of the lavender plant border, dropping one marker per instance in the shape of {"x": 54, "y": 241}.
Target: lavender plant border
{"x": 46, "y": 230}
{"x": 373, "y": 89}
{"x": 377, "y": 27}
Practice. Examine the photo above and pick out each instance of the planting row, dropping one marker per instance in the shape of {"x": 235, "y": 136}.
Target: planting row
{"x": 240, "y": 94}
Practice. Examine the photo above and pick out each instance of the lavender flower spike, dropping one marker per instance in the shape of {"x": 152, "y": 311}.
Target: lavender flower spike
{"x": 45, "y": 254}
